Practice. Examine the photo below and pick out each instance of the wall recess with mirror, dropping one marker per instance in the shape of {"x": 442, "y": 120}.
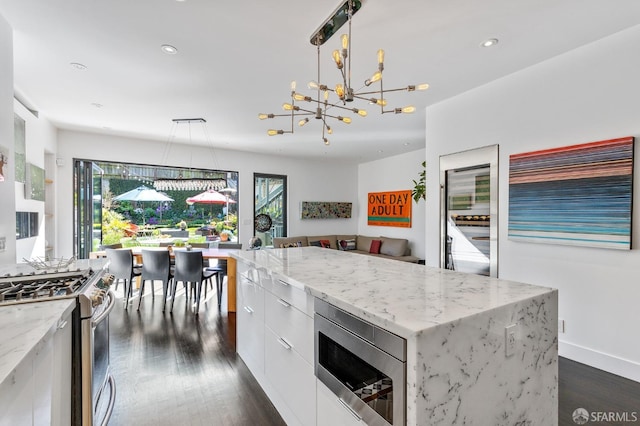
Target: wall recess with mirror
{"x": 469, "y": 211}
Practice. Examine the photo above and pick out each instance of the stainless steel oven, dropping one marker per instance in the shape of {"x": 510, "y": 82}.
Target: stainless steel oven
{"x": 362, "y": 364}
{"x": 92, "y": 385}
{"x": 98, "y": 385}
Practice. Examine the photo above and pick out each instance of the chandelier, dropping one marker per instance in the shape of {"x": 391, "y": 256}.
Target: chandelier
{"x": 188, "y": 183}
{"x": 344, "y": 91}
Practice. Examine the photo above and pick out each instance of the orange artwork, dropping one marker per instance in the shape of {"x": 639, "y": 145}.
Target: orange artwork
{"x": 391, "y": 208}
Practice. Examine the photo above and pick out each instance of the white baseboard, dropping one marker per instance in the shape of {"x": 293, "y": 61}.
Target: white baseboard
{"x": 612, "y": 364}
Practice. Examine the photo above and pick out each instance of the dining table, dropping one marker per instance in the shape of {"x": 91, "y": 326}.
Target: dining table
{"x": 207, "y": 253}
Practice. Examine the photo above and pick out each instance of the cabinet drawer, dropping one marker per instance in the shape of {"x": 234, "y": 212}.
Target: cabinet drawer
{"x": 290, "y": 293}
{"x": 250, "y": 325}
{"x": 292, "y": 377}
{"x": 294, "y": 326}
{"x": 251, "y": 294}
{"x": 247, "y": 272}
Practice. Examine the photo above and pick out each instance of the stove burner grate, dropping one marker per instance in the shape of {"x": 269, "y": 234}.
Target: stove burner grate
{"x": 25, "y": 287}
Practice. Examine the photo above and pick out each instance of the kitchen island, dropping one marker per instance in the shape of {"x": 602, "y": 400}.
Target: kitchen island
{"x": 459, "y": 367}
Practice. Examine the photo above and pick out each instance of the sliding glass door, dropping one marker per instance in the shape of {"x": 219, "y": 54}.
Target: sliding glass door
{"x": 269, "y": 206}
{"x": 87, "y": 207}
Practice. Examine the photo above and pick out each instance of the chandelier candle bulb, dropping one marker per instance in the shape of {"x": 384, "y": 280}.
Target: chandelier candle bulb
{"x": 337, "y": 59}
{"x": 303, "y": 122}
{"x": 301, "y": 97}
{"x": 375, "y": 77}
{"x": 380, "y": 57}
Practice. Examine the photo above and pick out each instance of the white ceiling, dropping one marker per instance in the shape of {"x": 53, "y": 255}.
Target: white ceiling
{"x": 237, "y": 59}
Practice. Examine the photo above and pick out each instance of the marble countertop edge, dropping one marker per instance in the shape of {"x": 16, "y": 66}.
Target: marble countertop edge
{"x": 24, "y": 326}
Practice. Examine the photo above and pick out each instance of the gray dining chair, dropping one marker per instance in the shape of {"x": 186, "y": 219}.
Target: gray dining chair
{"x": 156, "y": 266}
{"x": 121, "y": 266}
{"x": 190, "y": 269}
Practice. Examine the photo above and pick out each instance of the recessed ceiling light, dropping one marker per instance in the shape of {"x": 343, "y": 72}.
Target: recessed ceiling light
{"x": 380, "y": 151}
{"x": 97, "y": 105}
{"x": 168, "y": 49}
{"x": 406, "y": 144}
{"x": 78, "y": 66}
{"x": 490, "y": 42}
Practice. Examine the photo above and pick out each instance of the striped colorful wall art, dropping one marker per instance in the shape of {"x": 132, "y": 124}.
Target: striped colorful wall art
{"x": 578, "y": 195}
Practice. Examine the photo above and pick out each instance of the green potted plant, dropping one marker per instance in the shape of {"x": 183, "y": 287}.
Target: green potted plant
{"x": 419, "y": 186}
{"x": 225, "y": 235}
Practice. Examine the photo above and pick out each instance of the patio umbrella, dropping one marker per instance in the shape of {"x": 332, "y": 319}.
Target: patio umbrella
{"x": 143, "y": 194}
{"x": 210, "y": 197}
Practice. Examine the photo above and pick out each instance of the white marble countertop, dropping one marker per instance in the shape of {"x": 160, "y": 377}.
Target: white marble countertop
{"x": 23, "y": 326}
{"x": 404, "y": 298}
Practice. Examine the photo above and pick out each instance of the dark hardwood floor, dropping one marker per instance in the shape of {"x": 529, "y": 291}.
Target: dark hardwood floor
{"x": 182, "y": 369}
{"x": 595, "y": 390}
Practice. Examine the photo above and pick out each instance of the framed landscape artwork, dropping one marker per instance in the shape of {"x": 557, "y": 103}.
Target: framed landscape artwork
{"x": 34, "y": 183}
{"x": 578, "y": 195}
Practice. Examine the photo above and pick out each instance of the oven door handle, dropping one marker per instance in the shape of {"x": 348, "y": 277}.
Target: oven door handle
{"x": 112, "y": 401}
{"x": 112, "y": 302}
{"x": 349, "y": 409}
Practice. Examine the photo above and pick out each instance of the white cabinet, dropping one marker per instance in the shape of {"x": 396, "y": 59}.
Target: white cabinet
{"x": 331, "y": 412}
{"x": 16, "y": 395}
{"x": 275, "y": 340}
{"x": 43, "y": 381}
{"x": 294, "y": 295}
{"x": 61, "y": 398}
{"x": 292, "y": 377}
{"x": 290, "y": 324}
{"x": 38, "y": 391}
{"x": 250, "y": 321}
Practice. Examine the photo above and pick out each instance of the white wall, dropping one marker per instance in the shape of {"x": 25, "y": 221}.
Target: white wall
{"x": 586, "y": 95}
{"x": 393, "y": 174}
{"x": 7, "y": 189}
{"x": 40, "y": 138}
{"x": 307, "y": 180}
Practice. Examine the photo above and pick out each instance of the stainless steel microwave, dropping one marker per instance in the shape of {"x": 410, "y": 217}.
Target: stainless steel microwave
{"x": 362, "y": 364}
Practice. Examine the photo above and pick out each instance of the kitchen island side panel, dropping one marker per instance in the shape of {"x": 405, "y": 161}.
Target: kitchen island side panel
{"x": 459, "y": 372}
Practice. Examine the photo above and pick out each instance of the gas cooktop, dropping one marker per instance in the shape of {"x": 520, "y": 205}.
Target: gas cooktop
{"x": 40, "y": 286}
